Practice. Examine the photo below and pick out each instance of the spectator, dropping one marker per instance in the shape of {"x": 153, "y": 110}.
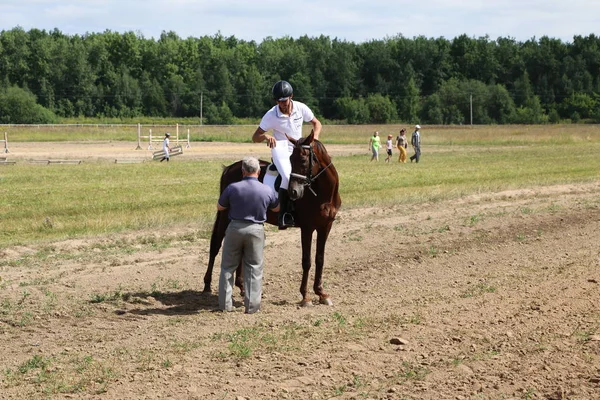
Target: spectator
{"x": 389, "y": 146}
{"x": 415, "y": 140}
{"x": 374, "y": 145}
{"x": 402, "y": 145}
{"x": 247, "y": 201}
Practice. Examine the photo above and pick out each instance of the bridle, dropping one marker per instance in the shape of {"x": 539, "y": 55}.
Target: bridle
{"x": 308, "y": 180}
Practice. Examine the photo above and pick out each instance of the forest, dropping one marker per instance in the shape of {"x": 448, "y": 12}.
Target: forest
{"x": 48, "y": 76}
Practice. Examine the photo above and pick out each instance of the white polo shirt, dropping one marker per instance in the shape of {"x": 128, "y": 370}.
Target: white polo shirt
{"x": 281, "y": 124}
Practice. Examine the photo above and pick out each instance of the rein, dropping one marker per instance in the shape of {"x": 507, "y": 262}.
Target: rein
{"x": 308, "y": 180}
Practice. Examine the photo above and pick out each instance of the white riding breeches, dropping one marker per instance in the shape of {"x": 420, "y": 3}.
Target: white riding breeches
{"x": 281, "y": 157}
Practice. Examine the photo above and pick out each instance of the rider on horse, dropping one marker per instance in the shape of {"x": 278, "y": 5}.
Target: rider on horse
{"x": 285, "y": 118}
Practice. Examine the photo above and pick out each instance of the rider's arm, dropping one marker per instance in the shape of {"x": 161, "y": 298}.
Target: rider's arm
{"x": 260, "y": 136}
{"x": 316, "y": 127}
{"x": 220, "y": 207}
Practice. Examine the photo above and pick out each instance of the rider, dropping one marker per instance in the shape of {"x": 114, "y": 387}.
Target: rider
{"x": 283, "y": 119}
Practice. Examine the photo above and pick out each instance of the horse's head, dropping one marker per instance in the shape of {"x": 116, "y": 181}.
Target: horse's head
{"x": 308, "y": 160}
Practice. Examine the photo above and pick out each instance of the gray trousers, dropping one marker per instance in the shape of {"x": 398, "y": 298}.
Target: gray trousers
{"x": 417, "y": 154}
{"x": 244, "y": 241}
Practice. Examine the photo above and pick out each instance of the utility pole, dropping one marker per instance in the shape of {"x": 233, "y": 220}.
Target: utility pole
{"x": 471, "y": 107}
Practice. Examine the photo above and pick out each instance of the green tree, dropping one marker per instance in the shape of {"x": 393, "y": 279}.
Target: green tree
{"x": 584, "y": 105}
{"x": 354, "y": 111}
{"x": 531, "y": 113}
{"x": 431, "y": 111}
{"x": 500, "y": 106}
{"x": 18, "y": 106}
{"x": 381, "y": 109}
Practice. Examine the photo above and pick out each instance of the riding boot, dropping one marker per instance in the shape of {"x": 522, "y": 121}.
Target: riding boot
{"x": 285, "y": 218}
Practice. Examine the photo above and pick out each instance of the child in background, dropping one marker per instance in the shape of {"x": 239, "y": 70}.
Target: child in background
{"x": 389, "y": 148}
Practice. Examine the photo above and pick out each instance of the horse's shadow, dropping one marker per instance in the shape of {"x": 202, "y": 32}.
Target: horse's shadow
{"x": 185, "y": 302}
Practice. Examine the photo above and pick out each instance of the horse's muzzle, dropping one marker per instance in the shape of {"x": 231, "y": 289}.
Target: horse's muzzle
{"x": 295, "y": 191}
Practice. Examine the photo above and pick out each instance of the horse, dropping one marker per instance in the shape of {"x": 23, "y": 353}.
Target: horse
{"x": 313, "y": 189}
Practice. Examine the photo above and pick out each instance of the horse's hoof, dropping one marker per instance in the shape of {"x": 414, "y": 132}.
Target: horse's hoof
{"x": 306, "y": 303}
{"x": 326, "y": 300}
{"x": 207, "y": 290}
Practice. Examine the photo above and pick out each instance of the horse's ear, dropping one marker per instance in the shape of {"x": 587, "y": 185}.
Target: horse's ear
{"x": 310, "y": 137}
{"x": 291, "y": 139}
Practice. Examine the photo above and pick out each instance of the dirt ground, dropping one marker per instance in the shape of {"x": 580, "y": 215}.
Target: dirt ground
{"x": 495, "y": 296}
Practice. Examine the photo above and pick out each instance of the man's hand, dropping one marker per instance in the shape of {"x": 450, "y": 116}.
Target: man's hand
{"x": 271, "y": 142}
{"x": 261, "y": 136}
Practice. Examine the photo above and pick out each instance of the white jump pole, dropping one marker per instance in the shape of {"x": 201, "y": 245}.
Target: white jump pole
{"x": 150, "y": 140}
{"x": 188, "y": 139}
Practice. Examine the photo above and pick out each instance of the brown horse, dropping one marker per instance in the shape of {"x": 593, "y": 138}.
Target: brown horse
{"x": 313, "y": 188}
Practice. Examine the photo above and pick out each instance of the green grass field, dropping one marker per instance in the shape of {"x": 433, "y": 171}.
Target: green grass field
{"x": 339, "y": 134}
{"x": 45, "y": 204}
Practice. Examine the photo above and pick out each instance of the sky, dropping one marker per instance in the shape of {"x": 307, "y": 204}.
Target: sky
{"x": 355, "y": 21}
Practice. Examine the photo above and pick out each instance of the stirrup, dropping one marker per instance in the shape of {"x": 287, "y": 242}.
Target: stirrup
{"x": 287, "y": 220}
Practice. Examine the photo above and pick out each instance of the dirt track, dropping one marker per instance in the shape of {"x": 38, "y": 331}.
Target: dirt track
{"x": 110, "y": 151}
{"x": 491, "y": 297}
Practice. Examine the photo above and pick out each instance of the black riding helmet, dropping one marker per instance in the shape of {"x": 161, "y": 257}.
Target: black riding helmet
{"x": 282, "y": 90}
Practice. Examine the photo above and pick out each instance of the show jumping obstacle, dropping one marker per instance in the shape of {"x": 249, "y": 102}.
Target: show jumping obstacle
{"x": 159, "y": 138}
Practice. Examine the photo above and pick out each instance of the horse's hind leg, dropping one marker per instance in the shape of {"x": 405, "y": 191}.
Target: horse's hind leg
{"x": 216, "y": 239}
{"x": 322, "y": 235}
{"x": 239, "y": 279}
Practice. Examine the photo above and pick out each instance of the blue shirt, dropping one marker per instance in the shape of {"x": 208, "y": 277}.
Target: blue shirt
{"x": 248, "y": 200}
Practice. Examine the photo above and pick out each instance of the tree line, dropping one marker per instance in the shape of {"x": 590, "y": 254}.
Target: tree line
{"x": 46, "y": 75}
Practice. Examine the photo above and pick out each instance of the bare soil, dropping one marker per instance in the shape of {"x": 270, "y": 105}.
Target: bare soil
{"x": 495, "y": 296}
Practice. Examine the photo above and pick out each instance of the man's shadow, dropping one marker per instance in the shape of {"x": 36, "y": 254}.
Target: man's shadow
{"x": 186, "y": 302}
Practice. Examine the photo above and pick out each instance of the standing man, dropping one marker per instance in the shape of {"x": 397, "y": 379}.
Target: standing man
{"x": 247, "y": 201}
{"x": 283, "y": 119}
{"x": 166, "y": 147}
{"x": 415, "y": 140}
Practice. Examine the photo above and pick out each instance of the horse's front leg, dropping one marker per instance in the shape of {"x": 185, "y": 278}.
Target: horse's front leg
{"x": 322, "y": 234}
{"x": 306, "y": 235}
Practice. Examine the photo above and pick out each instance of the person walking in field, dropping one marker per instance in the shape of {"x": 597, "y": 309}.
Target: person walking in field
{"x": 247, "y": 201}
{"x": 402, "y": 145}
{"x": 285, "y": 118}
{"x": 374, "y": 145}
{"x": 166, "y": 147}
{"x": 415, "y": 141}
{"x": 389, "y": 146}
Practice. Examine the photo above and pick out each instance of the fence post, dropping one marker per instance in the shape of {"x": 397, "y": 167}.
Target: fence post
{"x": 5, "y": 142}
{"x": 150, "y": 140}
{"x": 139, "y": 145}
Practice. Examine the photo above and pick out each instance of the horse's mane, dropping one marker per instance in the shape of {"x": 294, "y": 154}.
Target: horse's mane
{"x": 322, "y": 151}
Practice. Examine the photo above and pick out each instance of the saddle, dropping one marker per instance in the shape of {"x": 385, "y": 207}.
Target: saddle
{"x": 272, "y": 177}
